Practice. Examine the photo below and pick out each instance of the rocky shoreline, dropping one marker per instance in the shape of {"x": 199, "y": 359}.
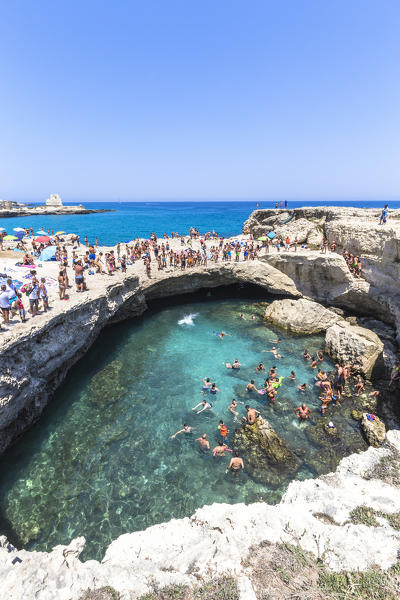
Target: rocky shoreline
{"x": 315, "y": 292}
{"x": 45, "y": 210}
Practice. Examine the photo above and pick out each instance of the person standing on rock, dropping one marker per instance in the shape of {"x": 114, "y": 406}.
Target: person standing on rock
{"x": 252, "y": 415}
{"x": 302, "y": 412}
{"x": 236, "y": 464}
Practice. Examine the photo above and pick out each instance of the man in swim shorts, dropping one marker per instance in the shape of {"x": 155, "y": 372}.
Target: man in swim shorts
{"x": 252, "y": 415}
{"x": 302, "y": 412}
{"x": 236, "y": 464}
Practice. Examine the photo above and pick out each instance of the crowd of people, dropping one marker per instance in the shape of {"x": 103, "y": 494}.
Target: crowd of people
{"x": 155, "y": 253}
{"x": 331, "y": 387}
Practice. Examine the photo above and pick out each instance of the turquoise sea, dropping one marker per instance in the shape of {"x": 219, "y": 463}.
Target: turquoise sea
{"x": 139, "y": 219}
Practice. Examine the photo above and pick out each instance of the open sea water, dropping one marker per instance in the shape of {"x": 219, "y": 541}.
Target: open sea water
{"x": 138, "y": 219}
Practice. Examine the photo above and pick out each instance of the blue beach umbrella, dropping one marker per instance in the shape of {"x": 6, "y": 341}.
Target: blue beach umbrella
{"x": 271, "y": 235}
{"x": 48, "y": 253}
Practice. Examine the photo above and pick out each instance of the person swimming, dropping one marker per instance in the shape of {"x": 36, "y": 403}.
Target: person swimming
{"x": 251, "y": 387}
{"x": 222, "y": 333}
{"x": 236, "y": 464}
{"x": 206, "y": 384}
{"x": 235, "y": 365}
{"x": 302, "y": 387}
{"x": 204, "y": 404}
{"x": 203, "y": 443}
{"x": 186, "y": 429}
{"x": 220, "y": 449}
{"x": 260, "y": 367}
{"x": 214, "y": 389}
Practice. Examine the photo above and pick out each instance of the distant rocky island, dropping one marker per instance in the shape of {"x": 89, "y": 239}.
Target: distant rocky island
{"x": 52, "y": 206}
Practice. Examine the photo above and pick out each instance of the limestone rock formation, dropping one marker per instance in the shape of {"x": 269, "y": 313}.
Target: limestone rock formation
{"x": 357, "y": 346}
{"x": 374, "y": 431}
{"x": 321, "y": 277}
{"x": 54, "y": 201}
{"x": 265, "y": 451}
{"x": 300, "y": 316}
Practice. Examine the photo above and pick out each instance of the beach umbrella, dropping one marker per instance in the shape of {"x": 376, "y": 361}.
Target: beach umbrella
{"x": 41, "y": 232}
{"x": 19, "y": 229}
{"x": 263, "y": 238}
{"x": 42, "y": 238}
{"x": 9, "y": 238}
{"x": 271, "y": 235}
{"x": 59, "y": 232}
{"x": 48, "y": 253}
{"x": 2, "y": 228}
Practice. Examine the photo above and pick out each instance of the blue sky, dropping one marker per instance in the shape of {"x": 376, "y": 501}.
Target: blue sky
{"x": 200, "y": 99}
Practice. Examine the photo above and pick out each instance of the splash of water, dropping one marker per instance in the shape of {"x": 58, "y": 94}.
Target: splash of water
{"x": 188, "y": 319}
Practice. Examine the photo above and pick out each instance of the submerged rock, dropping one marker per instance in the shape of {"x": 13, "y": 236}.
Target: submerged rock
{"x": 106, "y": 385}
{"x": 354, "y": 345}
{"x": 356, "y": 415}
{"x": 300, "y": 316}
{"x": 265, "y": 452}
{"x": 374, "y": 431}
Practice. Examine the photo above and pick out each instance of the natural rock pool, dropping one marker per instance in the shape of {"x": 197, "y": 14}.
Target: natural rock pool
{"x": 101, "y": 462}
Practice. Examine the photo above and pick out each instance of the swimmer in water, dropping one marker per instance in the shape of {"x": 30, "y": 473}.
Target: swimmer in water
{"x": 232, "y": 408}
{"x": 206, "y": 383}
{"x": 222, "y": 333}
{"x": 253, "y": 317}
{"x": 220, "y": 449}
{"x": 204, "y": 404}
{"x": 275, "y": 352}
{"x": 203, "y": 442}
{"x": 252, "y": 415}
{"x": 214, "y": 389}
{"x": 242, "y": 316}
{"x": 260, "y": 367}
{"x": 313, "y": 364}
{"x": 186, "y": 429}
{"x": 236, "y": 464}
{"x": 306, "y": 355}
{"x": 302, "y": 412}
{"x": 272, "y": 372}
{"x": 251, "y": 387}
{"x": 235, "y": 365}
{"x": 275, "y": 341}
{"x": 223, "y": 430}
{"x": 292, "y": 375}
{"x": 302, "y": 387}
{"x": 320, "y": 356}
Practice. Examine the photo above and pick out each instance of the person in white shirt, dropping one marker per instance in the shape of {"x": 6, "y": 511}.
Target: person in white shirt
{"x": 5, "y": 297}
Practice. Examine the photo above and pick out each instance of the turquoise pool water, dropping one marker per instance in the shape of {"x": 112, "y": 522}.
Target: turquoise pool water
{"x": 101, "y": 461}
